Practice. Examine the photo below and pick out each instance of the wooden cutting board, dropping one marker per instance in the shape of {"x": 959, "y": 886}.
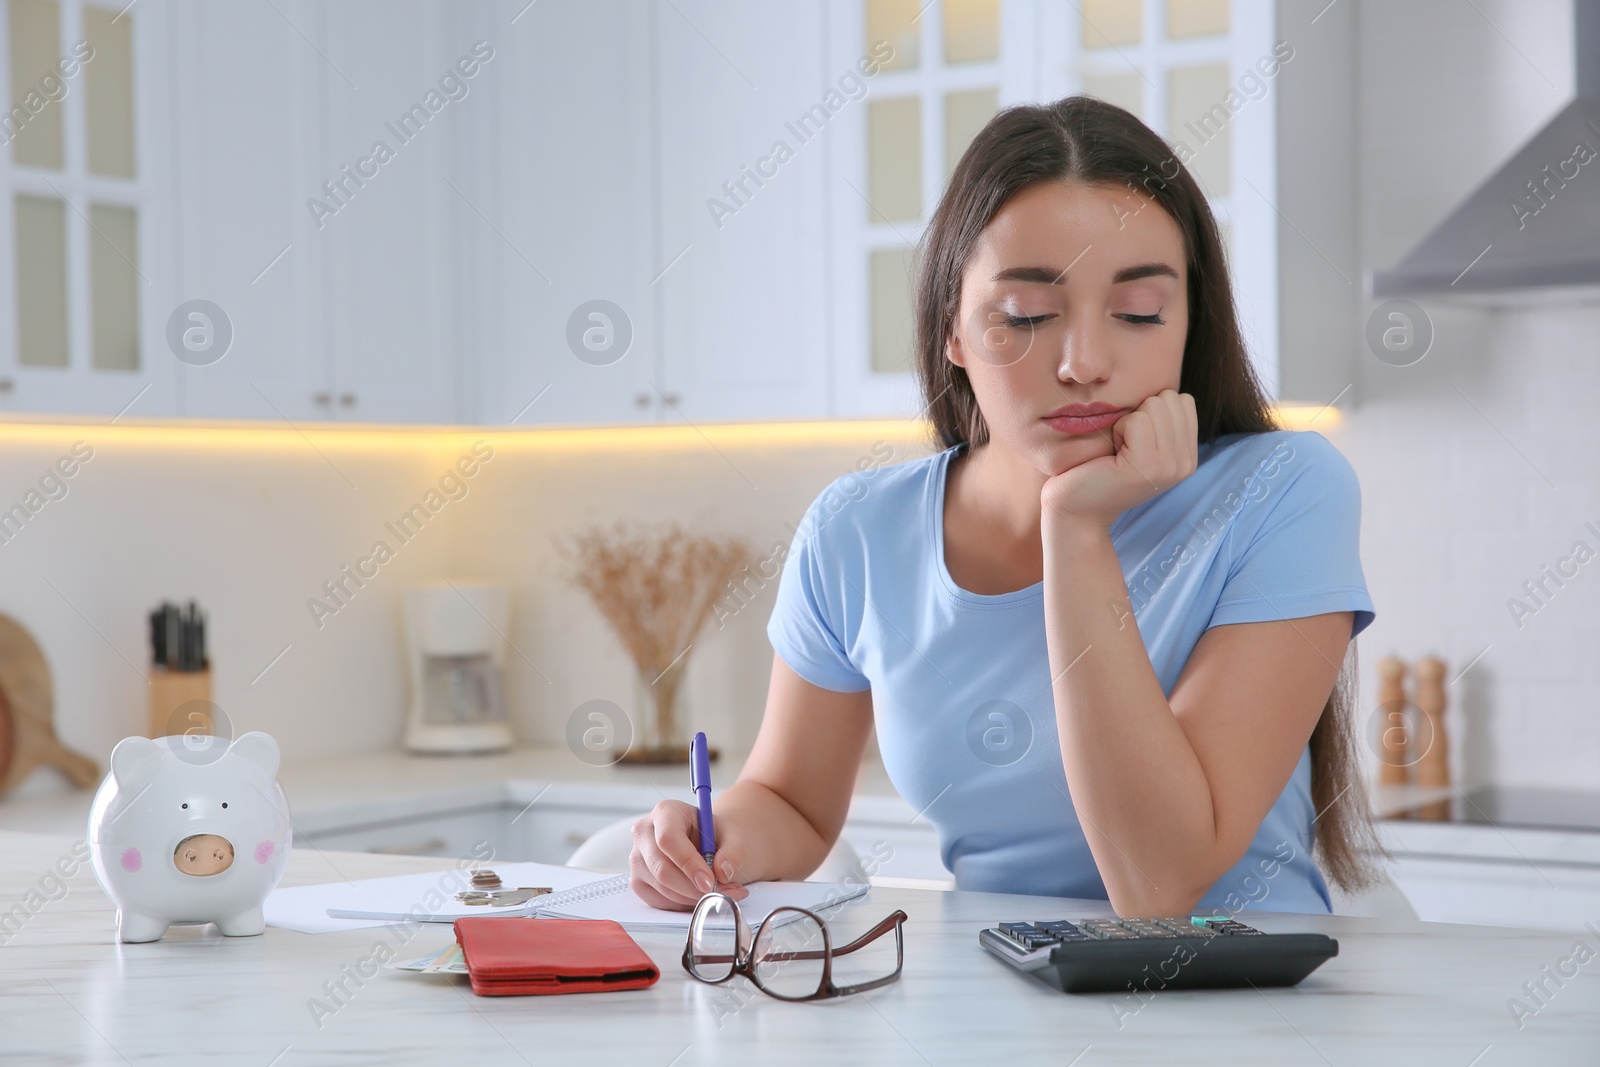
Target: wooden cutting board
{"x": 28, "y": 736}
{"x": 7, "y": 735}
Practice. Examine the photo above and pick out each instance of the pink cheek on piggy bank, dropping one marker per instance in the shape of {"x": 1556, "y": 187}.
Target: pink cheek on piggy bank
{"x": 131, "y": 860}
{"x": 264, "y": 851}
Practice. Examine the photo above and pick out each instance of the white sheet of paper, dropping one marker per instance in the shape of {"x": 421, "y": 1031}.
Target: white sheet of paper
{"x": 305, "y": 907}
{"x": 431, "y": 895}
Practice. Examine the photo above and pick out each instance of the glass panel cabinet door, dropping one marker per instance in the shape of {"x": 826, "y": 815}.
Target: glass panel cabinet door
{"x": 1190, "y": 69}
{"x": 938, "y": 85}
{"x": 81, "y": 281}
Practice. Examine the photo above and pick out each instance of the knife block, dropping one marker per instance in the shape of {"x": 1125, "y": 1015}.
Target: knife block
{"x": 180, "y": 702}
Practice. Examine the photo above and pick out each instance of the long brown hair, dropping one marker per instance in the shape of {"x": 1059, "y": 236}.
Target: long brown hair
{"x": 1082, "y": 139}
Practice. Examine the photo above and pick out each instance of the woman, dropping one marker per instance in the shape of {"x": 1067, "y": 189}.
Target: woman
{"x": 1101, "y": 633}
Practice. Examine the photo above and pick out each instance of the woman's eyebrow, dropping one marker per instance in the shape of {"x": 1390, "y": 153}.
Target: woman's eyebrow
{"x": 1052, "y": 276}
{"x": 1144, "y": 270}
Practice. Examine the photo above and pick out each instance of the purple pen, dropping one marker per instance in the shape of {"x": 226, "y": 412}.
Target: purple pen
{"x": 700, "y": 782}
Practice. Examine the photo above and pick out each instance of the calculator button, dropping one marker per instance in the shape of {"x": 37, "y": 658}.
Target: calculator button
{"x": 1028, "y": 935}
{"x": 1150, "y": 930}
{"x": 1106, "y": 930}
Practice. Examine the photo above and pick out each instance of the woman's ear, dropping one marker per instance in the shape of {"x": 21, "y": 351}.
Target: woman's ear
{"x": 952, "y": 350}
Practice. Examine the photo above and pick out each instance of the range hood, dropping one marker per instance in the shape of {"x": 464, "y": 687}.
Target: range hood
{"x": 1535, "y": 223}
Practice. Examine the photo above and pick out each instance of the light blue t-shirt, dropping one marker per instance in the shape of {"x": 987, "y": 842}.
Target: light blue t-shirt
{"x": 1266, "y": 528}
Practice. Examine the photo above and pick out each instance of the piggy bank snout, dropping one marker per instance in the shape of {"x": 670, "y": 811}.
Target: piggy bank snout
{"x": 201, "y": 855}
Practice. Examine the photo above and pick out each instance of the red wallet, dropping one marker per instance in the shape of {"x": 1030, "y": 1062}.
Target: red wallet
{"x": 508, "y": 956}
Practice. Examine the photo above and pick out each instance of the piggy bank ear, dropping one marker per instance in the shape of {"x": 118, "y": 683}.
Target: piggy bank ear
{"x": 134, "y": 761}
{"x": 258, "y": 749}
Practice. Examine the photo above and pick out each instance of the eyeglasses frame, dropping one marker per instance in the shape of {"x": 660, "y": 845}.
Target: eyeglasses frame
{"x": 743, "y": 952}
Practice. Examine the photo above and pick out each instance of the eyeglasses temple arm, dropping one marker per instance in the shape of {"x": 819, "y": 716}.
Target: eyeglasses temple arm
{"x": 889, "y": 923}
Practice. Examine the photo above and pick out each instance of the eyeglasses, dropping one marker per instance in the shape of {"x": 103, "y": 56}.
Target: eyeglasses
{"x": 791, "y": 955}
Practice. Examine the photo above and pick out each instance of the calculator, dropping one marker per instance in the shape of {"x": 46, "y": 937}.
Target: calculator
{"x": 1149, "y": 955}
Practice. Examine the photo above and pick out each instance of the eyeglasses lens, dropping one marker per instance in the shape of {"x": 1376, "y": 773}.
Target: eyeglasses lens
{"x": 713, "y": 938}
{"x": 788, "y": 958}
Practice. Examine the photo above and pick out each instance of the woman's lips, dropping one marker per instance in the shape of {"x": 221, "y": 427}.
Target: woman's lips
{"x": 1080, "y": 424}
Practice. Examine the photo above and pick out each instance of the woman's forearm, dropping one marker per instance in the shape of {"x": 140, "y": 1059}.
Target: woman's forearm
{"x": 779, "y": 842}
{"x": 1136, "y": 783}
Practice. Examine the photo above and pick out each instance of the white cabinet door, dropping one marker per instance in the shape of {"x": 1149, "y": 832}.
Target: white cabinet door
{"x": 570, "y": 223}
{"x": 741, "y": 246}
{"x": 394, "y": 105}
{"x": 247, "y": 143}
{"x": 552, "y": 833}
{"x": 1315, "y": 293}
{"x": 541, "y": 833}
{"x": 1545, "y": 895}
{"x": 483, "y": 831}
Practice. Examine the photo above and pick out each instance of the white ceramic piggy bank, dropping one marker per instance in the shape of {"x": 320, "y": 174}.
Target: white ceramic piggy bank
{"x": 190, "y": 829}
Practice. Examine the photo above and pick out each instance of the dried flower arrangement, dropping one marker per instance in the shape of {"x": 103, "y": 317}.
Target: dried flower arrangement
{"x": 656, "y": 589}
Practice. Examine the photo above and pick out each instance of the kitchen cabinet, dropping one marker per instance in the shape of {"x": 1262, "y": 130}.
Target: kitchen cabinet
{"x": 724, "y": 195}
{"x": 86, "y": 245}
{"x": 1258, "y": 104}
{"x": 1500, "y": 893}
{"x": 597, "y": 226}
{"x": 248, "y": 147}
{"x": 550, "y": 825}
{"x": 743, "y": 287}
{"x": 1303, "y": 302}
{"x": 512, "y": 832}
{"x": 243, "y": 115}
{"x": 1496, "y": 875}
{"x": 563, "y": 221}
{"x": 611, "y": 195}
{"x": 337, "y": 287}
{"x": 386, "y": 257}
{"x": 780, "y": 276}
{"x": 538, "y": 803}
{"x": 445, "y": 833}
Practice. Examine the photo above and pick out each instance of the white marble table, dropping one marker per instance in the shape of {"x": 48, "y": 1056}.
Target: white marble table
{"x": 1399, "y": 992}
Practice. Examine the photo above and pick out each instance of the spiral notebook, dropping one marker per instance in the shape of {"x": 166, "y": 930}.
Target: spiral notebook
{"x": 578, "y": 895}
{"x": 615, "y": 899}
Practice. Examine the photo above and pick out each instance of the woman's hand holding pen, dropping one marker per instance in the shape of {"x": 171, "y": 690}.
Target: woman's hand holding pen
{"x": 1156, "y": 447}
{"x": 666, "y": 867}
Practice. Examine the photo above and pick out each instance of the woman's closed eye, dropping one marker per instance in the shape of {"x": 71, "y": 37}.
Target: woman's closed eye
{"x": 1022, "y": 322}
{"x": 1145, "y": 320}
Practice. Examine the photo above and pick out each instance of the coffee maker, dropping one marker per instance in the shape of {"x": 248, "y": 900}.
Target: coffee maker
{"x": 456, "y": 646}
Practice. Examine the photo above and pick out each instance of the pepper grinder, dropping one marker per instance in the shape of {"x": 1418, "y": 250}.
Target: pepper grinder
{"x": 1433, "y": 763}
{"x": 1392, "y": 741}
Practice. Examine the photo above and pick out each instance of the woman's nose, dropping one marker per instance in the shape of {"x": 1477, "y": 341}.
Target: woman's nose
{"x": 1085, "y": 353}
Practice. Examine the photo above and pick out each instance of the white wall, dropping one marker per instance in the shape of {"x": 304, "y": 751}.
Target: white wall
{"x": 251, "y": 524}
{"x": 756, "y": 491}
{"x": 1458, "y": 512}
